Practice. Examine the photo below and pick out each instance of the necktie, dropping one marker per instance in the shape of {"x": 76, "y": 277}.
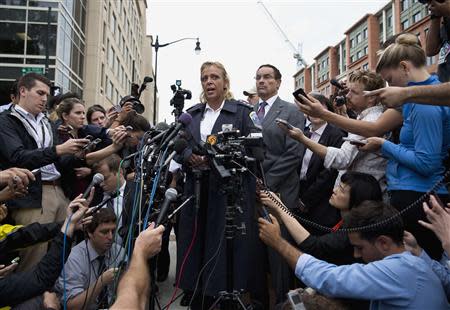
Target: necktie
{"x": 262, "y": 110}
{"x": 102, "y": 300}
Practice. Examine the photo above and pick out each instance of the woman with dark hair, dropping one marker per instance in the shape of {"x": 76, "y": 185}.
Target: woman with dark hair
{"x": 415, "y": 164}
{"x": 355, "y": 187}
{"x": 96, "y": 115}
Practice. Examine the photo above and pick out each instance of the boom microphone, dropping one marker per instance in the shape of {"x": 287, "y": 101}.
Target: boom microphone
{"x": 97, "y": 179}
{"x": 183, "y": 121}
{"x": 170, "y": 196}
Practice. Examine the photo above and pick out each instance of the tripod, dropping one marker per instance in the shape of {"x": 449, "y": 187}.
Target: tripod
{"x": 230, "y": 298}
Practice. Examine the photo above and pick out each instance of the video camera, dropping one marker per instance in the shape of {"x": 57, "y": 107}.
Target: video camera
{"x": 229, "y": 150}
{"x": 179, "y": 95}
{"x": 339, "y": 97}
{"x": 134, "y": 97}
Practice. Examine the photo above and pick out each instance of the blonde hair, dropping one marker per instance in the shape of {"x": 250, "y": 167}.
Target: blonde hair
{"x": 228, "y": 95}
{"x": 406, "y": 48}
{"x": 369, "y": 79}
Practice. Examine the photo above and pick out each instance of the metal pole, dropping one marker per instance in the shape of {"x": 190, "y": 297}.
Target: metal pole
{"x": 47, "y": 50}
{"x": 156, "y": 45}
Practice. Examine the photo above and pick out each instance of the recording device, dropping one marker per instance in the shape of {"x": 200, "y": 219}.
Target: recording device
{"x": 137, "y": 105}
{"x": 339, "y": 97}
{"x": 104, "y": 202}
{"x": 91, "y": 145}
{"x": 35, "y": 172}
{"x": 170, "y": 196}
{"x": 298, "y": 92}
{"x": 15, "y": 260}
{"x": 255, "y": 119}
{"x": 295, "y": 300}
{"x": 96, "y": 180}
{"x": 183, "y": 121}
{"x": 355, "y": 141}
{"x": 178, "y": 147}
{"x": 284, "y": 123}
{"x": 55, "y": 91}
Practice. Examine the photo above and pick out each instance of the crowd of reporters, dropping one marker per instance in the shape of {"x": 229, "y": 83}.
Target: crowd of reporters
{"x": 348, "y": 188}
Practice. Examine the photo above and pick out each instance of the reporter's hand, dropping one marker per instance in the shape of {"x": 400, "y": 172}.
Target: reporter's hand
{"x": 373, "y": 144}
{"x": 439, "y": 218}
{"x": 265, "y": 200}
{"x": 51, "y": 301}
{"x": 295, "y": 133}
{"x": 14, "y": 177}
{"x": 148, "y": 243}
{"x": 75, "y": 212}
{"x": 310, "y": 106}
{"x": 270, "y": 233}
{"x": 3, "y": 212}
{"x": 340, "y": 110}
{"x": 197, "y": 161}
{"x": 108, "y": 276}
{"x": 8, "y": 193}
{"x": 82, "y": 172}
{"x": 71, "y": 146}
{"x": 6, "y": 270}
{"x": 126, "y": 108}
{"x": 119, "y": 137}
{"x": 411, "y": 244}
{"x": 390, "y": 97}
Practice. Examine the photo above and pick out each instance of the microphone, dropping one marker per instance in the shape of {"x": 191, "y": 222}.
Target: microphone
{"x": 335, "y": 83}
{"x": 183, "y": 121}
{"x": 104, "y": 202}
{"x": 170, "y": 196}
{"x": 178, "y": 147}
{"x": 97, "y": 179}
{"x": 255, "y": 119}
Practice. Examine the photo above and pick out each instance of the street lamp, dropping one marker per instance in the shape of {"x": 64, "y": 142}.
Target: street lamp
{"x": 157, "y": 45}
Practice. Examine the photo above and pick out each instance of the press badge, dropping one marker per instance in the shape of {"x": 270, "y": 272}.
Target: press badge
{"x": 443, "y": 53}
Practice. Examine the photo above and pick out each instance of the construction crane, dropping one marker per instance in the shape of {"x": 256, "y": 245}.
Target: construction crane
{"x": 297, "y": 54}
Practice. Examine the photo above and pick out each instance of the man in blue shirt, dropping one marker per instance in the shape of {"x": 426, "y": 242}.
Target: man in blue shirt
{"x": 393, "y": 277}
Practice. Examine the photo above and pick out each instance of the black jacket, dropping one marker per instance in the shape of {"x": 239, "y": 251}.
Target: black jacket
{"x": 19, "y": 149}
{"x": 19, "y": 287}
{"x": 316, "y": 189}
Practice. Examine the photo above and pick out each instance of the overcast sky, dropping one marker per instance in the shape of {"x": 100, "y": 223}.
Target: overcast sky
{"x": 240, "y": 35}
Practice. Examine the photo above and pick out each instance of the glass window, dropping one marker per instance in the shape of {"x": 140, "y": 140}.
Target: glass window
{"x": 44, "y": 4}
{"x": 14, "y": 2}
{"x": 365, "y": 33}
{"x": 358, "y": 38}
{"x": 112, "y": 26}
{"x": 366, "y": 50}
{"x": 417, "y": 17}
{"x": 365, "y": 67}
{"x": 405, "y": 24}
{"x": 352, "y": 43}
{"x": 37, "y": 39}
{"x": 12, "y": 14}
{"x": 405, "y": 5}
{"x": 42, "y": 16}
{"x": 358, "y": 54}
{"x": 104, "y": 33}
{"x": 12, "y": 38}
{"x": 389, "y": 21}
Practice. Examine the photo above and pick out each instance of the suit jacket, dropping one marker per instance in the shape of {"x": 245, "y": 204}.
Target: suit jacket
{"x": 282, "y": 152}
{"x": 316, "y": 189}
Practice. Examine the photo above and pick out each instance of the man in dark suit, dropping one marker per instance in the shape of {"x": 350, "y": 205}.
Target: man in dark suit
{"x": 282, "y": 159}
{"x": 317, "y": 182}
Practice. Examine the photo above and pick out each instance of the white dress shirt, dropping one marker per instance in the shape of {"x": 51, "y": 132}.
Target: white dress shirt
{"x": 315, "y": 136}
{"x": 43, "y": 139}
{"x": 269, "y": 104}
{"x": 209, "y": 119}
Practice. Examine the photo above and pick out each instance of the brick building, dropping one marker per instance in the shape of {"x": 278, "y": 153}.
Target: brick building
{"x": 358, "y": 49}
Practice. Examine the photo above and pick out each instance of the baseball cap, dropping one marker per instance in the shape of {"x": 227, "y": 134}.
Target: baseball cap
{"x": 249, "y": 92}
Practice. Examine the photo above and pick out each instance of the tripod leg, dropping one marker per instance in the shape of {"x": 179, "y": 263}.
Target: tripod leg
{"x": 240, "y": 302}
{"x": 216, "y": 302}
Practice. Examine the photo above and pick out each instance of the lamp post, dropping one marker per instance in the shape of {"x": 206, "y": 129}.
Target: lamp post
{"x": 157, "y": 45}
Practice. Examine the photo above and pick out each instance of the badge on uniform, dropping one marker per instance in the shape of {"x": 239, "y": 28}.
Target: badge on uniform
{"x": 443, "y": 53}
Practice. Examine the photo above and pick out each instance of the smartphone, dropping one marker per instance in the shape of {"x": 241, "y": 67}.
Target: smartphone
{"x": 355, "y": 141}
{"x": 284, "y": 122}
{"x": 298, "y": 92}
{"x": 15, "y": 260}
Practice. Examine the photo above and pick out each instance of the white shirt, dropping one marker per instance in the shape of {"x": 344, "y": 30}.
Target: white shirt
{"x": 209, "y": 119}
{"x": 269, "y": 104}
{"x": 43, "y": 139}
{"x": 5, "y": 107}
{"x": 315, "y": 136}
{"x": 117, "y": 204}
{"x": 348, "y": 157}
